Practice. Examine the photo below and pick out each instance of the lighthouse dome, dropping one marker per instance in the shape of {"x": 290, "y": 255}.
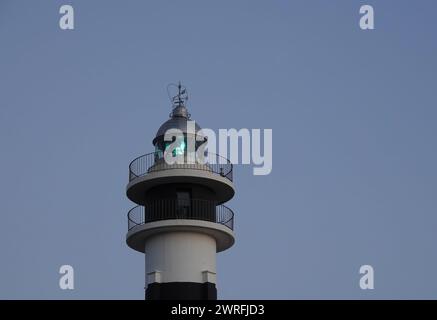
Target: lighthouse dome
{"x": 178, "y": 120}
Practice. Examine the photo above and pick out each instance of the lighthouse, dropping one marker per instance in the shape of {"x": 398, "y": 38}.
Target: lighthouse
{"x": 180, "y": 222}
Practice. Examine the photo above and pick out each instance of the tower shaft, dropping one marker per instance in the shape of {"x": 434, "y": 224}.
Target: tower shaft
{"x": 181, "y": 265}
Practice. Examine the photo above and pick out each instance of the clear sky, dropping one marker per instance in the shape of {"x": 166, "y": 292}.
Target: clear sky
{"x": 353, "y": 115}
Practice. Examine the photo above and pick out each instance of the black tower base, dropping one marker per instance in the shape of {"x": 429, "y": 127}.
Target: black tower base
{"x": 181, "y": 291}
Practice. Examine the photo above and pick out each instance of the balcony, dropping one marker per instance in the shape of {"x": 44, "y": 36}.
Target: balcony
{"x": 154, "y": 162}
{"x": 151, "y": 170}
{"x": 167, "y": 209}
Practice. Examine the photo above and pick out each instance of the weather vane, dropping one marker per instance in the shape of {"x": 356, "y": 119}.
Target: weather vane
{"x": 181, "y": 97}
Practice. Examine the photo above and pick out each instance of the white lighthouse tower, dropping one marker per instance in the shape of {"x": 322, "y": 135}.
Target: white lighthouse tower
{"x": 180, "y": 222}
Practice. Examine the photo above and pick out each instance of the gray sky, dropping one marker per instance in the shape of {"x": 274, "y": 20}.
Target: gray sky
{"x": 353, "y": 115}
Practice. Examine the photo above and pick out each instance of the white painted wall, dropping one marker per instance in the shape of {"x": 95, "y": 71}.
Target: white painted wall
{"x": 180, "y": 256}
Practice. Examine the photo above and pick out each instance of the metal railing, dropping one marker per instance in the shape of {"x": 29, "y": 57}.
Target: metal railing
{"x": 154, "y": 161}
{"x": 195, "y": 209}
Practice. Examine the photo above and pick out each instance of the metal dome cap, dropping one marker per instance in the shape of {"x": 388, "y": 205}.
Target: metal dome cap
{"x": 179, "y": 116}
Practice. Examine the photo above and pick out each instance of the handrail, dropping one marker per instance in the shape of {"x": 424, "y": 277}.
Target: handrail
{"x": 194, "y": 209}
{"x": 153, "y": 162}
